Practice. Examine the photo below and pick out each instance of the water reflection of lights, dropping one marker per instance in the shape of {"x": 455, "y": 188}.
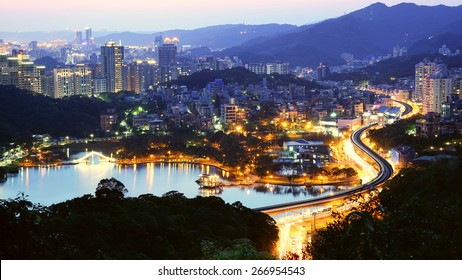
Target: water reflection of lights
{"x": 27, "y": 178}
{"x": 151, "y": 175}
{"x": 206, "y": 192}
{"x": 54, "y": 184}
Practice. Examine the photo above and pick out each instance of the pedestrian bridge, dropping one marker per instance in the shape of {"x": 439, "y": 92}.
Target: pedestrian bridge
{"x": 86, "y": 158}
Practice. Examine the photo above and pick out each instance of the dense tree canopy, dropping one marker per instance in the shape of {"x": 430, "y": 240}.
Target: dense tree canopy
{"x": 416, "y": 216}
{"x": 394, "y": 134}
{"x": 147, "y": 227}
{"x": 23, "y": 114}
{"x": 110, "y": 189}
{"x": 241, "y": 76}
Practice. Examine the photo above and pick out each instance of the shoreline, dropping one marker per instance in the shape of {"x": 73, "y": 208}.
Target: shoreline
{"x": 249, "y": 179}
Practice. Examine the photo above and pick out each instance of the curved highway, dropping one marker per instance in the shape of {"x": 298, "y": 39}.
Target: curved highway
{"x": 385, "y": 172}
{"x": 385, "y": 168}
{"x": 407, "y": 108}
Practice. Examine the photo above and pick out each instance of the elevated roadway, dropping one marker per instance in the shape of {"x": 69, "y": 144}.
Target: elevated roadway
{"x": 385, "y": 172}
{"x": 407, "y": 108}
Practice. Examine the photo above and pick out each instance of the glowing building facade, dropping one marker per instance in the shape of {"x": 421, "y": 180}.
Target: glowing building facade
{"x": 112, "y": 60}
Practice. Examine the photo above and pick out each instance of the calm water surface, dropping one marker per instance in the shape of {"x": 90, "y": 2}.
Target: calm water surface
{"x": 49, "y": 185}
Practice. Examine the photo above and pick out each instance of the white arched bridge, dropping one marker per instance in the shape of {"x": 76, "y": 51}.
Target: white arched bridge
{"x": 87, "y": 157}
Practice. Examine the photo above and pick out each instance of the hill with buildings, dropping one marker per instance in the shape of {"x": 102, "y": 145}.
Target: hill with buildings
{"x": 389, "y": 70}
{"x": 431, "y": 45}
{"x": 371, "y": 31}
{"x": 240, "y": 76}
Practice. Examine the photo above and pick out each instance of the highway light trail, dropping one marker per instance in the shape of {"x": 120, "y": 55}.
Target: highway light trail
{"x": 366, "y": 171}
{"x": 369, "y": 174}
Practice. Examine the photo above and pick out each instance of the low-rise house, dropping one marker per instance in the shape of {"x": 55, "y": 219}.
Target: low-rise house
{"x": 305, "y": 153}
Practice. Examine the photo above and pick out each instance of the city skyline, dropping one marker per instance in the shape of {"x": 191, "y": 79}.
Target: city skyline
{"x": 145, "y": 16}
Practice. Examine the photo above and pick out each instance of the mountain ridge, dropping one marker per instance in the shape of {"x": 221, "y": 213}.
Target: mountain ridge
{"x": 215, "y": 37}
{"x": 370, "y": 31}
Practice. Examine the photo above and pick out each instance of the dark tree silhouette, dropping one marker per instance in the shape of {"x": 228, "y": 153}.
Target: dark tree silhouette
{"x": 110, "y": 188}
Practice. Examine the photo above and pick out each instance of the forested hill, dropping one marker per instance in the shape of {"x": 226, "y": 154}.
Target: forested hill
{"x": 416, "y": 216}
{"x": 148, "y": 227}
{"x": 241, "y": 76}
{"x": 23, "y": 114}
{"x": 387, "y": 71}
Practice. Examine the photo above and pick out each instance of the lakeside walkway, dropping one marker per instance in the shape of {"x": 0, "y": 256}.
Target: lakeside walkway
{"x": 245, "y": 179}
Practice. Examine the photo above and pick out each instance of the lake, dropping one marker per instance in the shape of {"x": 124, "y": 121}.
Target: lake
{"x": 49, "y": 185}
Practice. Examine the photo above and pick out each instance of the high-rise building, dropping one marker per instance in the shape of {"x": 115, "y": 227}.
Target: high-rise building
{"x": 148, "y": 74}
{"x": 167, "y": 54}
{"x": 257, "y": 68}
{"x": 422, "y": 71}
{"x": 29, "y": 77}
{"x": 99, "y": 85}
{"x": 268, "y": 68}
{"x": 158, "y": 41}
{"x": 78, "y": 38}
{"x": 277, "y": 68}
{"x": 458, "y": 87}
{"x": 69, "y": 81}
{"x": 436, "y": 89}
{"x": 323, "y": 71}
{"x": 167, "y": 73}
{"x": 22, "y": 73}
{"x": 42, "y": 76}
{"x": 132, "y": 77}
{"x": 82, "y": 80}
{"x": 63, "y": 79}
{"x": 4, "y": 77}
{"x": 167, "y": 61}
{"x": 140, "y": 75}
{"x": 89, "y": 37}
{"x": 33, "y": 45}
{"x": 112, "y": 60}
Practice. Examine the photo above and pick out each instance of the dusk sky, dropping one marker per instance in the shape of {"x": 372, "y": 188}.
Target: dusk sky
{"x": 149, "y": 15}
